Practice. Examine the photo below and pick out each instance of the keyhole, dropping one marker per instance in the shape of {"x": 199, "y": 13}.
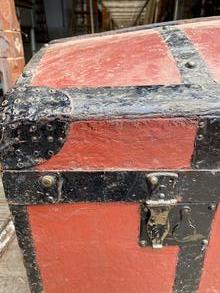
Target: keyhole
{"x": 185, "y": 230}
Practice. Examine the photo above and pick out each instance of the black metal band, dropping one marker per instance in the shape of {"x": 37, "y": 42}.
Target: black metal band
{"x": 35, "y": 103}
{"x": 192, "y": 67}
{"x": 23, "y": 232}
{"x": 29, "y": 70}
{"x": 23, "y": 148}
{"x": 207, "y": 145}
{"x": 189, "y": 268}
{"x": 26, "y": 187}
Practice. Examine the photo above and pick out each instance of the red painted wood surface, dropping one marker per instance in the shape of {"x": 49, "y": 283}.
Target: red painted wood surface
{"x": 126, "y": 144}
{"x": 93, "y": 248}
{"x": 138, "y": 58}
{"x": 210, "y": 280}
{"x": 207, "y": 40}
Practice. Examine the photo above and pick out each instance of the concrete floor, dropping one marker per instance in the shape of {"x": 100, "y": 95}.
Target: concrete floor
{"x": 12, "y": 273}
{"x": 13, "y": 277}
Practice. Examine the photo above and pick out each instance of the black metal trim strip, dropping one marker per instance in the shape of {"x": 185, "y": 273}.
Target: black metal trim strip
{"x": 29, "y": 70}
{"x": 207, "y": 145}
{"x": 118, "y": 102}
{"x": 192, "y": 67}
{"x": 150, "y": 101}
{"x": 191, "y": 257}
{"x": 25, "y": 187}
{"x": 189, "y": 269}
{"x": 23, "y": 232}
{"x": 56, "y": 107}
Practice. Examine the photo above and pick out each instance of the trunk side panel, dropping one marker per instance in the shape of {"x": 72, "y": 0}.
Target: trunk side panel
{"x": 94, "y": 248}
{"x": 126, "y": 144}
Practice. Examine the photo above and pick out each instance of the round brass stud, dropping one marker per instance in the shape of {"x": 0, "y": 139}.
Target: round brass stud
{"x": 47, "y": 181}
{"x": 153, "y": 180}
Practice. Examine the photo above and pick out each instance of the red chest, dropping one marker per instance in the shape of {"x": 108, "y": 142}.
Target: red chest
{"x": 110, "y": 150}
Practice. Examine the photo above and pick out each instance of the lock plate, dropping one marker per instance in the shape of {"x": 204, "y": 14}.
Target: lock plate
{"x": 167, "y": 221}
{"x": 179, "y": 225}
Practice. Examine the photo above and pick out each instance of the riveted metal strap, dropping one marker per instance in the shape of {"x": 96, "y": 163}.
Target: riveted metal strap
{"x": 34, "y": 126}
{"x": 192, "y": 67}
{"x": 25, "y": 187}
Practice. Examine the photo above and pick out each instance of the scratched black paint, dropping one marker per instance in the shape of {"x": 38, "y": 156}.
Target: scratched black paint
{"x": 23, "y": 232}
{"x": 24, "y": 187}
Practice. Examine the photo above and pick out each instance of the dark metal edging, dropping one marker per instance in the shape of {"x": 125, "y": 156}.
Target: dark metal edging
{"x": 25, "y": 241}
{"x": 29, "y": 187}
{"x": 192, "y": 68}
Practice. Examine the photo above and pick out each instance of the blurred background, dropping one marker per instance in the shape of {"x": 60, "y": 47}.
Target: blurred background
{"x": 45, "y": 20}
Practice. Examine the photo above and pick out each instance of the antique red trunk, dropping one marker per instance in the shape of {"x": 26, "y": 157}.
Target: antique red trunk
{"x": 111, "y": 155}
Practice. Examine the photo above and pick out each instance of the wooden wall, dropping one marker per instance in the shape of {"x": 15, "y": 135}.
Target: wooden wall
{"x": 11, "y": 47}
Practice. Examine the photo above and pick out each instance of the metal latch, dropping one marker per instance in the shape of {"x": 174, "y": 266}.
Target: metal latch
{"x": 155, "y": 223}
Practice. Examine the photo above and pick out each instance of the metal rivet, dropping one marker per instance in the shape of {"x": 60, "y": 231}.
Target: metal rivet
{"x": 3, "y": 116}
{"x": 200, "y": 137}
{"x": 52, "y": 91}
{"x": 201, "y": 124}
{"x": 18, "y": 152}
{"x": 50, "y": 199}
{"x": 36, "y": 153}
{"x": 17, "y": 101}
{"x": 153, "y": 180}
{"x": 26, "y": 73}
{"x": 17, "y": 140}
{"x": 12, "y": 126}
{"x": 190, "y": 64}
{"x": 5, "y": 103}
{"x": 162, "y": 195}
{"x": 34, "y": 138}
{"x": 186, "y": 209}
{"x": 204, "y": 244}
{"x": 142, "y": 243}
{"x": 50, "y": 153}
{"x": 64, "y": 98}
{"x": 66, "y": 110}
{"x": 21, "y": 89}
{"x": 10, "y": 91}
{"x": 33, "y": 128}
{"x": 60, "y": 140}
{"x": 20, "y": 165}
{"x": 49, "y": 127}
{"x": 47, "y": 181}
{"x": 50, "y": 138}
{"x": 212, "y": 207}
